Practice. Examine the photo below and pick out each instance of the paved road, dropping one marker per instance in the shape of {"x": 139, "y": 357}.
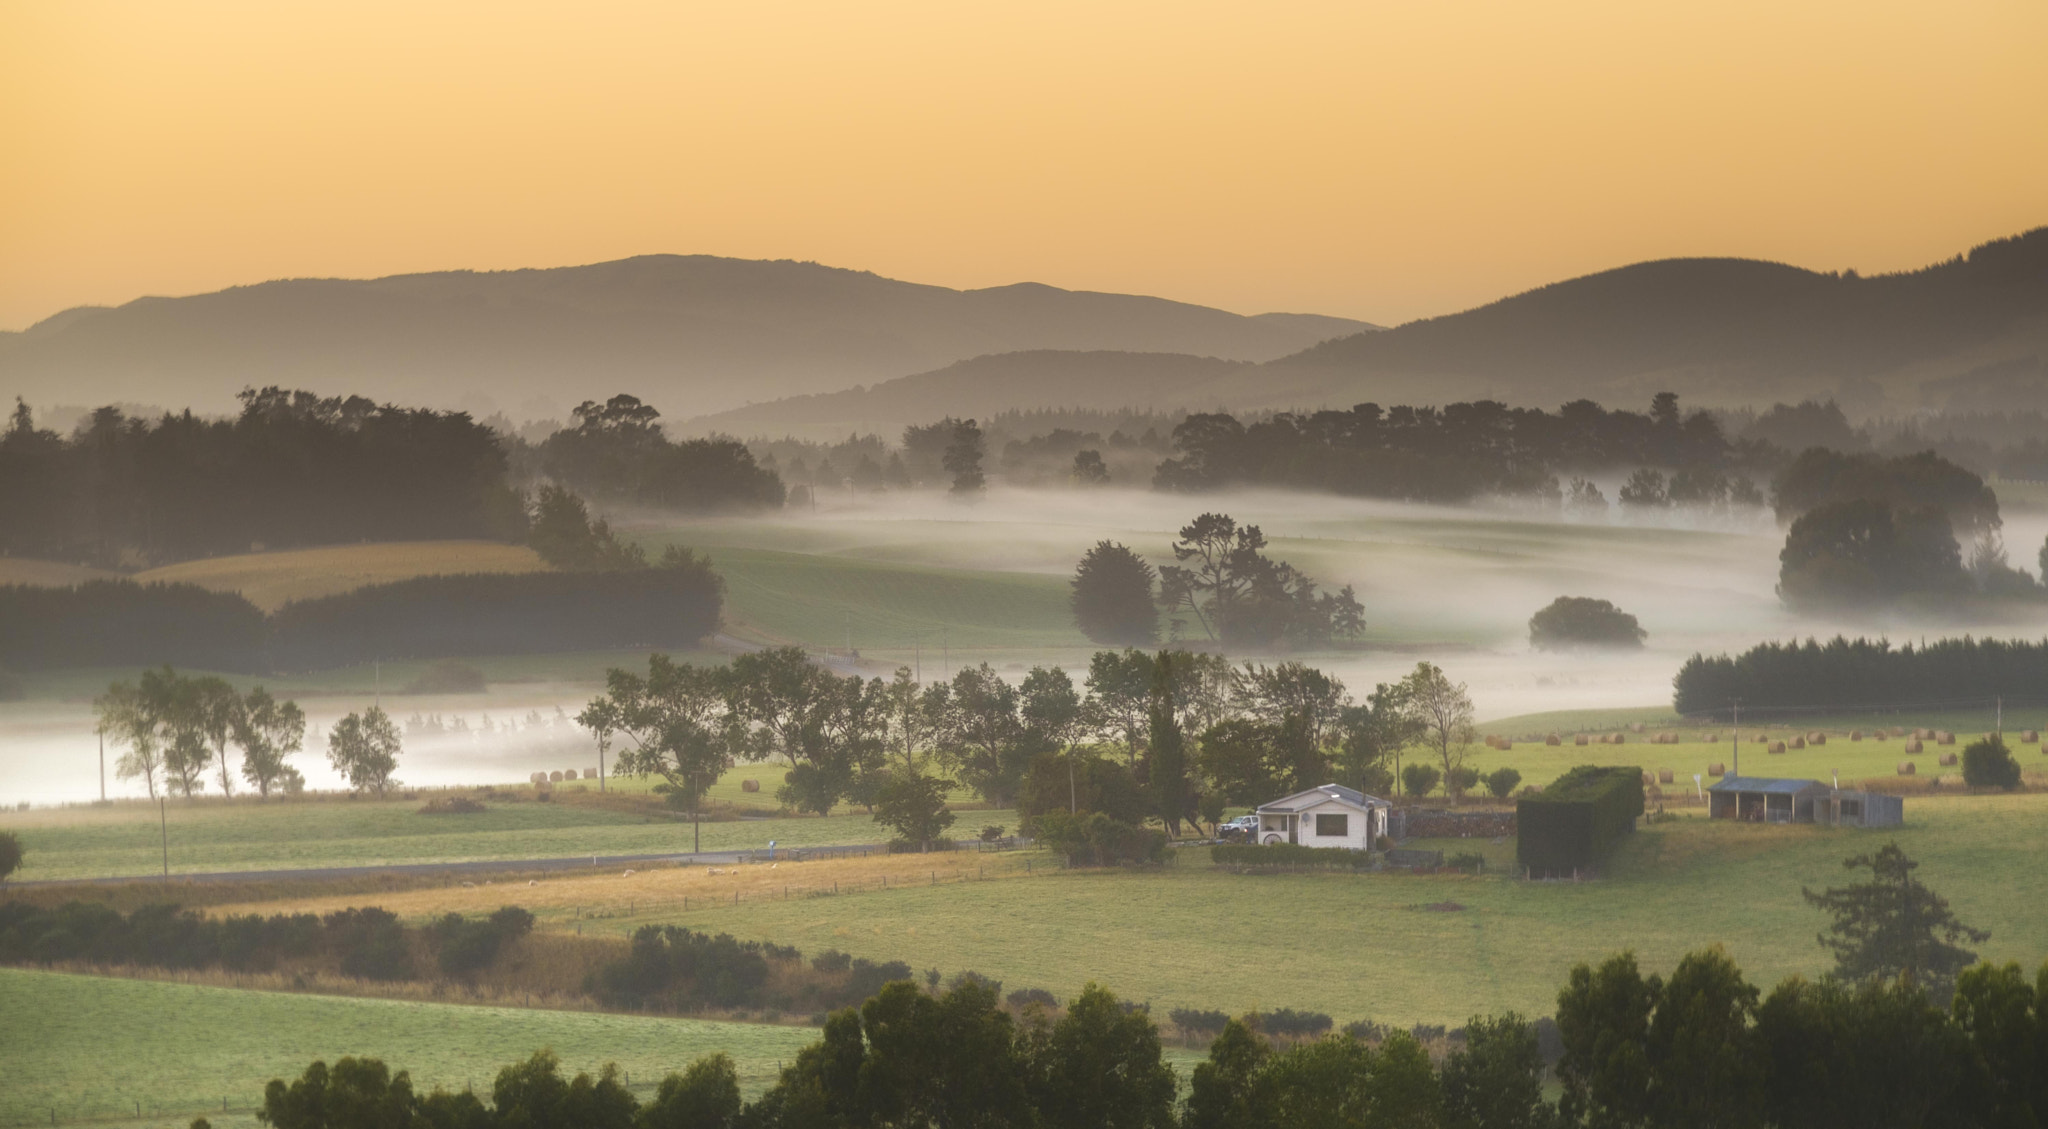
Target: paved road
{"x": 488, "y": 866}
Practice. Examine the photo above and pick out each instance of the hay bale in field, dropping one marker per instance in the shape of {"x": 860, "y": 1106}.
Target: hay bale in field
{"x": 1717, "y": 770}
{"x": 1580, "y": 739}
{"x": 2030, "y": 737}
{"x": 1666, "y": 776}
{"x": 1796, "y": 743}
{"x": 1906, "y": 768}
{"x": 1506, "y": 743}
{"x": 1711, "y": 738}
{"x": 1945, "y": 738}
{"x": 1948, "y": 760}
{"x": 1923, "y": 734}
{"x": 1776, "y": 747}
{"x": 1638, "y": 727}
{"x": 750, "y": 785}
{"x": 1816, "y": 738}
{"x": 554, "y": 778}
{"x": 1855, "y": 735}
{"x": 1620, "y": 739}
{"x": 1554, "y": 739}
{"x": 1913, "y": 745}
{"x": 1760, "y": 739}
{"x": 589, "y": 774}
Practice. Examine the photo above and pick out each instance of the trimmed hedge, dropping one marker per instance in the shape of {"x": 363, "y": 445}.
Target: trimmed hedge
{"x": 1292, "y": 856}
{"x": 1572, "y": 825}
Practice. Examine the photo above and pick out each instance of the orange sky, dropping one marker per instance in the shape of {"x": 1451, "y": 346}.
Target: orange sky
{"x": 1383, "y": 161}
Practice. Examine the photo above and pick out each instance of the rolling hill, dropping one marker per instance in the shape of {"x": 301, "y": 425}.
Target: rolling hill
{"x": 1714, "y": 330}
{"x": 691, "y": 334}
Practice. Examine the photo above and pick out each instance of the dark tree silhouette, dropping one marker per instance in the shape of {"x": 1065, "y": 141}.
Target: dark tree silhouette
{"x": 1579, "y": 621}
{"x": 1112, "y": 597}
{"x": 1892, "y": 926}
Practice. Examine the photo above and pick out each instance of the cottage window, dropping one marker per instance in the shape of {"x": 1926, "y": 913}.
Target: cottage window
{"x": 1333, "y": 826}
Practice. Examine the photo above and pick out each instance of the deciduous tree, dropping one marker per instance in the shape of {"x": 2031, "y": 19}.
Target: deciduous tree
{"x": 364, "y": 748}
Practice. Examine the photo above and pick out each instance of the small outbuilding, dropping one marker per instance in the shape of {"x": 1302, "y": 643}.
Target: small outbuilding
{"x": 1760, "y": 799}
{"x": 1329, "y": 816}
{"x": 1843, "y": 808}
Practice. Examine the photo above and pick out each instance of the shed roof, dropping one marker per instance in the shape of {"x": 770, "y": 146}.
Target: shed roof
{"x": 1766, "y": 784}
{"x": 1310, "y": 798}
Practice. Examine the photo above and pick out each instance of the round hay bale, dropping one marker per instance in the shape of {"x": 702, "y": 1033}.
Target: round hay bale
{"x": 1621, "y": 739}
{"x": 1711, "y": 738}
{"x": 1506, "y": 743}
{"x": 1638, "y": 727}
{"x": 1666, "y": 776}
{"x": 1717, "y": 770}
{"x": 1913, "y": 745}
{"x": 537, "y": 778}
{"x": 554, "y": 778}
{"x": 1796, "y": 742}
{"x": 1855, "y": 735}
{"x": 1580, "y": 739}
{"x": 1777, "y": 747}
{"x": 1948, "y": 760}
{"x": 1906, "y": 768}
{"x": 1923, "y": 734}
{"x": 750, "y": 785}
{"x": 1816, "y": 738}
{"x": 1761, "y": 739}
{"x": 1553, "y": 739}
{"x": 1648, "y": 779}
{"x": 2030, "y": 737}
{"x": 1945, "y": 738}
{"x": 589, "y": 774}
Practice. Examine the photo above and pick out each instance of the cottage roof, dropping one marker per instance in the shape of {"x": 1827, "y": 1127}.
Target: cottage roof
{"x": 1766, "y": 784}
{"x": 1350, "y": 797}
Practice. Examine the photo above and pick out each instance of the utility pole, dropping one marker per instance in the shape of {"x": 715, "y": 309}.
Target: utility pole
{"x": 1998, "y": 725}
{"x": 103, "y": 766}
{"x": 1735, "y": 704}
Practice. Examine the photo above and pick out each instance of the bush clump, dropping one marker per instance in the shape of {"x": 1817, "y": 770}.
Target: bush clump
{"x": 1572, "y": 622}
{"x": 1989, "y": 764}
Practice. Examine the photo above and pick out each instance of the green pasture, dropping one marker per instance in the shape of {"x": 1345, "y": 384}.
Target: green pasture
{"x": 1856, "y": 761}
{"x": 93, "y": 1047}
{"x": 333, "y": 831}
{"x": 1432, "y": 948}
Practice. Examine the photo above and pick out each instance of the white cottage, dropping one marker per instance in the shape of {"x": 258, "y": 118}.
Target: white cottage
{"x": 1329, "y": 816}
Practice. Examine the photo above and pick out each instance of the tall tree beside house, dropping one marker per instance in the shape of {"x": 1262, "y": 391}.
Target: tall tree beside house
{"x": 1169, "y": 759}
{"x": 1111, "y": 596}
{"x": 1442, "y": 712}
{"x": 364, "y": 748}
{"x": 1892, "y": 926}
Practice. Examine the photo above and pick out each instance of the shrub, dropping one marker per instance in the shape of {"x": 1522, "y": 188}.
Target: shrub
{"x": 1419, "y": 779}
{"x": 1289, "y": 1023}
{"x": 10, "y": 854}
{"x": 831, "y": 960}
{"x": 372, "y": 943}
{"x": 452, "y": 805}
{"x": 992, "y": 832}
{"x": 1032, "y": 997}
{"x": 467, "y": 946}
{"x": 1366, "y": 1031}
{"x": 1989, "y": 764}
{"x": 1461, "y": 780}
{"x": 1467, "y": 861}
{"x": 1501, "y": 782}
{"x": 1194, "y": 1023}
{"x": 1094, "y": 839}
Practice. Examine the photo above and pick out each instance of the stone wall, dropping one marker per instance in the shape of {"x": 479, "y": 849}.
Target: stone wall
{"x": 1436, "y": 823}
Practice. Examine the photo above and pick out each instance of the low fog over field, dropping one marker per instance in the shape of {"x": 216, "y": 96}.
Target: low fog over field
{"x": 1453, "y": 585}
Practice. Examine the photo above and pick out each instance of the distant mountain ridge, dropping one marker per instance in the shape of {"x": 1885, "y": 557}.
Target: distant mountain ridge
{"x": 1970, "y": 332}
{"x": 690, "y": 333}
{"x": 1716, "y": 330}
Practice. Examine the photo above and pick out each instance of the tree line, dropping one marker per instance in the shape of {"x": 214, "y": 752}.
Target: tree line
{"x": 1699, "y": 1047}
{"x": 1172, "y": 735}
{"x": 122, "y": 623}
{"x": 292, "y": 469}
{"x": 1861, "y": 673}
{"x": 1459, "y": 452}
{"x": 295, "y": 469}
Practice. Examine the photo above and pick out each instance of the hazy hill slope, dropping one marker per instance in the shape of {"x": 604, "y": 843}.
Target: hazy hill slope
{"x": 1715, "y": 330}
{"x": 691, "y": 333}
{"x": 983, "y": 386}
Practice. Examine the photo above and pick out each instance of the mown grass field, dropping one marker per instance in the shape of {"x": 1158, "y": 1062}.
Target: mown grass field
{"x": 1371, "y": 946}
{"x": 333, "y": 831}
{"x": 92, "y": 1047}
{"x": 270, "y": 580}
